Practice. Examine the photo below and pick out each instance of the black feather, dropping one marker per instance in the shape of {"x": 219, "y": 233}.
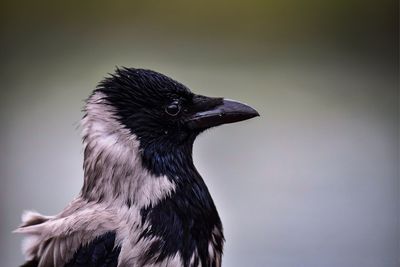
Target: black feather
{"x": 98, "y": 253}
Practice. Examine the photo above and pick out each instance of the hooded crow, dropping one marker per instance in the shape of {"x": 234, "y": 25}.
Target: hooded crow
{"x": 143, "y": 203}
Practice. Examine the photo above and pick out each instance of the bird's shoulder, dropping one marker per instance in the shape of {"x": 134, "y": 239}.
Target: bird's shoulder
{"x": 81, "y": 232}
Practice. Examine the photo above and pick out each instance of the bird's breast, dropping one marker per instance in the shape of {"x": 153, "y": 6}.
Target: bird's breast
{"x": 185, "y": 223}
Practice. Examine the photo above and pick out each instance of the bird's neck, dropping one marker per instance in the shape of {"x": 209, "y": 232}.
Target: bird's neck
{"x": 113, "y": 168}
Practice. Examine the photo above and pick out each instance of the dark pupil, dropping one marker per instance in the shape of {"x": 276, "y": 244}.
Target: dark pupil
{"x": 173, "y": 109}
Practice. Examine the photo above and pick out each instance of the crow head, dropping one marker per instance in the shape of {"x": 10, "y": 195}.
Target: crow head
{"x": 164, "y": 115}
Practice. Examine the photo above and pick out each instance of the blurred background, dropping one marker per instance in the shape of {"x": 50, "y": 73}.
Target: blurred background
{"x": 313, "y": 182}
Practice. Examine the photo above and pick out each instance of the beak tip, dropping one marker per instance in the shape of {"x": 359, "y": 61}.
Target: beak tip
{"x": 256, "y": 114}
{"x": 251, "y": 112}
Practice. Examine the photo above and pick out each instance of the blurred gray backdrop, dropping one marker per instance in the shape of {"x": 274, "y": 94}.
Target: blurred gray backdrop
{"x": 313, "y": 182}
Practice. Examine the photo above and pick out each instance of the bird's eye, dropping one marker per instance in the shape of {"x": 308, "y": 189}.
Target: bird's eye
{"x": 173, "y": 109}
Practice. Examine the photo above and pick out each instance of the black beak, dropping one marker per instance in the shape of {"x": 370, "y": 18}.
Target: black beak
{"x": 226, "y": 111}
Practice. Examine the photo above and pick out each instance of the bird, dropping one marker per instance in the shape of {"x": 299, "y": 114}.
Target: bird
{"x": 143, "y": 202}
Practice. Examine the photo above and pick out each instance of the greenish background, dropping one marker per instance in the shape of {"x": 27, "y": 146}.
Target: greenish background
{"x": 313, "y": 182}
